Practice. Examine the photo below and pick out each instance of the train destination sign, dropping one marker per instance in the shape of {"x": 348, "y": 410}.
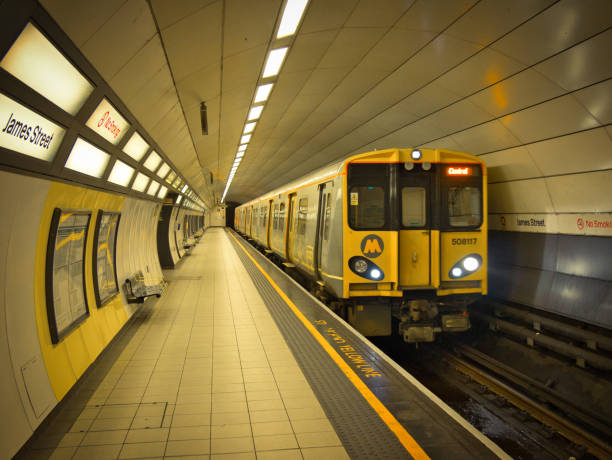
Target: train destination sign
{"x": 459, "y": 171}
{"x": 108, "y": 122}
{"x": 24, "y": 131}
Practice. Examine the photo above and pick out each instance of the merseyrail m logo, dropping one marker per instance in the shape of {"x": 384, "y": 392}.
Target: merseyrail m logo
{"x": 372, "y": 246}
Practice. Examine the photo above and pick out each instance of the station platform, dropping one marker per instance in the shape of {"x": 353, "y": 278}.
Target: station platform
{"x": 237, "y": 361}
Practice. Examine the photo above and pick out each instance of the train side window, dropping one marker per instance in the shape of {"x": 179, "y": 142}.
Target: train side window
{"x": 464, "y": 206}
{"x": 281, "y": 217}
{"x": 327, "y": 216}
{"x": 367, "y": 206}
{"x": 265, "y": 217}
{"x": 414, "y": 207}
{"x": 301, "y": 217}
{"x": 275, "y": 225}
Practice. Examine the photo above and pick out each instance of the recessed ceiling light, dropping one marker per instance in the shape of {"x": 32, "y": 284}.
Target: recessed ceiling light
{"x": 242, "y": 148}
{"x": 294, "y": 9}
{"x": 245, "y": 139}
{"x": 274, "y": 62}
{"x": 249, "y": 127}
{"x": 239, "y": 154}
{"x": 255, "y": 112}
{"x": 263, "y": 92}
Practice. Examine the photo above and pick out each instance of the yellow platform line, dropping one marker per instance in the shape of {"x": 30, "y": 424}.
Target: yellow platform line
{"x": 394, "y": 425}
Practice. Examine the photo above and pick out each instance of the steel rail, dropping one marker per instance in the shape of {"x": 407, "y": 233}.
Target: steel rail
{"x": 561, "y": 424}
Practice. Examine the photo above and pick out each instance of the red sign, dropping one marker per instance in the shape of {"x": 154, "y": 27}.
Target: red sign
{"x": 458, "y": 171}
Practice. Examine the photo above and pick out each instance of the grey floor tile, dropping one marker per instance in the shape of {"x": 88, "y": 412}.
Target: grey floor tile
{"x": 147, "y": 435}
{"x": 142, "y": 450}
{"x": 232, "y": 445}
{"x": 189, "y": 447}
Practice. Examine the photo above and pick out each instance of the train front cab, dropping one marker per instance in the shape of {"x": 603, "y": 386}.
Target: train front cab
{"x": 416, "y": 241}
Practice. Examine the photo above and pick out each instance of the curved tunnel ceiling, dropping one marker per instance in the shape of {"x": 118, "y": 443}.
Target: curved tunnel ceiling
{"x": 524, "y": 83}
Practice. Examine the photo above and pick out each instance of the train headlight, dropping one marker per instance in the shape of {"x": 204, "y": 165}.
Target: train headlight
{"x": 465, "y": 266}
{"x": 365, "y": 268}
{"x": 416, "y": 154}
{"x": 360, "y": 266}
{"x": 471, "y": 264}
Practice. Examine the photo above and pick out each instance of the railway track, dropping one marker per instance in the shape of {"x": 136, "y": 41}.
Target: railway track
{"x": 534, "y": 398}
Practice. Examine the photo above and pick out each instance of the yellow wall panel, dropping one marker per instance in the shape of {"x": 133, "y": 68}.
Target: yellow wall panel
{"x": 67, "y": 360}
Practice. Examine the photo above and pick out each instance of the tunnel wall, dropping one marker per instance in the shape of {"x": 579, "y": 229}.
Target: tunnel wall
{"x": 564, "y": 274}
{"x": 39, "y": 373}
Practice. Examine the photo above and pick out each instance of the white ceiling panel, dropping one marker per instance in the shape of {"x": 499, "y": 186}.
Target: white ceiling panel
{"x": 120, "y": 38}
{"x": 557, "y": 117}
{"x": 597, "y": 99}
{"x": 561, "y": 26}
{"x": 168, "y": 13}
{"x": 146, "y": 63}
{"x": 567, "y": 154}
{"x": 515, "y": 93}
{"x": 589, "y": 192}
{"x": 584, "y": 64}
{"x": 323, "y": 15}
{"x": 248, "y": 24}
{"x": 485, "y": 138}
{"x": 493, "y": 19}
{"x": 370, "y": 14}
{"x": 195, "y": 41}
{"x": 90, "y": 16}
{"x": 511, "y": 164}
{"x": 524, "y": 196}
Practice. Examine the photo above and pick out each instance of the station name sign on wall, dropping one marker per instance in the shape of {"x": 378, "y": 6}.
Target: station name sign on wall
{"x": 24, "y": 131}
{"x": 108, "y": 122}
{"x": 595, "y": 224}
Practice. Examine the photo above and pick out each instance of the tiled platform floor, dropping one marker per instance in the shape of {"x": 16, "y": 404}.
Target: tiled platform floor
{"x": 204, "y": 373}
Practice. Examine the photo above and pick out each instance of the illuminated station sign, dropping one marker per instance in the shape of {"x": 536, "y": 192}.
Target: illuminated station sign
{"x": 108, "y": 123}
{"x": 24, "y": 131}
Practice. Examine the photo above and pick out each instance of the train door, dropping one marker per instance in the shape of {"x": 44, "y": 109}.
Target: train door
{"x": 269, "y": 223}
{"x": 414, "y": 198}
{"x": 323, "y": 222}
{"x": 291, "y": 233}
{"x": 250, "y": 221}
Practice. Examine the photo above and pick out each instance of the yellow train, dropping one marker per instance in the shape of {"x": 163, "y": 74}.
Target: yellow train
{"x": 391, "y": 233}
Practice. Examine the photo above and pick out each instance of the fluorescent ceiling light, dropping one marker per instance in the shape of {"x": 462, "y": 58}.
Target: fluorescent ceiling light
{"x": 184, "y": 188}
{"x": 263, "y": 92}
{"x": 121, "y": 174}
{"x": 87, "y": 159}
{"x": 239, "y": 154}
{"x": 153, "y": 161}
{"x": 245, "y": 139}
{"x": 162, "y": 192}
{"x": 136, "y": 147}
{"x": 249, "y": 127}
{"x": 179, "y": 198}
{"x": 36, "y": 62}
{"x": 163, "y": 170}
{"x": 140, "y": 183}
{"x": 255, "y": 112}
{"x": 242, "y": 148}
{"x": 153, "y": 188}
{"x": 170, "y": 177}
{"x": 274, "y": 62}
{"x": 294, "y": 9}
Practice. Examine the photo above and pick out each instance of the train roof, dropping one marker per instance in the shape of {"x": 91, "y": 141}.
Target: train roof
{"x": 333, "y": 169}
